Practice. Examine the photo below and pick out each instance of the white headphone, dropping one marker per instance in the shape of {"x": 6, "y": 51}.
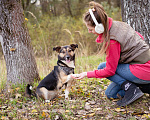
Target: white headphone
{"x": 99, "y": 28}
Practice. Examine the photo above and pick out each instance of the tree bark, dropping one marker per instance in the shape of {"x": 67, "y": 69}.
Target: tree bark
{"x": 16, "y": 44}
{"x": 137, "y": 14}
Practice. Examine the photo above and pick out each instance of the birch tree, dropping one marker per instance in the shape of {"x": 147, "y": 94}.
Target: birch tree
{"x": 16, "y": 43}
{"x": 137, "y": 14}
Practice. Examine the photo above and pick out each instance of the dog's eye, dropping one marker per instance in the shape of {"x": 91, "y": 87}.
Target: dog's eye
{"x": 63, "y": 52}
{"x": 69, "y": 51}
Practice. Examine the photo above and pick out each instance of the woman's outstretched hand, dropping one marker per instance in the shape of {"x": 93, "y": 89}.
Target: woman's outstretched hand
{"x": 79, "y": 76}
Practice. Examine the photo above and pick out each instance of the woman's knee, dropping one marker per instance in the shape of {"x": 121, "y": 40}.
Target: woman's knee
{"x": 102, "y": 65}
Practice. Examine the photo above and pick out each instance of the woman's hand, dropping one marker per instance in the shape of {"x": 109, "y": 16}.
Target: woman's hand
{"x": 79, "y": 76}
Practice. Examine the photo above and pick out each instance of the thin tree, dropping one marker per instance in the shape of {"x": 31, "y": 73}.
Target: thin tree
{"x": 16, "y": 43}
{"x": 137, "y": 14}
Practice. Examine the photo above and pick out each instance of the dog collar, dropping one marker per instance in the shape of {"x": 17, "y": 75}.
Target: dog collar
{"x": 67, "y": 70}
{"x": 61, "y": 63}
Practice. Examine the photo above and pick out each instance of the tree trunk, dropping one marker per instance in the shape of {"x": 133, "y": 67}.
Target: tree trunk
{"x": 69, "y": 7}
{"x": 137, "y": 14}
{"x": 16, "y": 43}
{"x": 45, "y": 6}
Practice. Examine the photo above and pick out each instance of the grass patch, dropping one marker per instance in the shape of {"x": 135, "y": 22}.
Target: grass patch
{"x": 87, "y": 98}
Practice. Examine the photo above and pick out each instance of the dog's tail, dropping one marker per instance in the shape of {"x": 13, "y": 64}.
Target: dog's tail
{"x": 29, "y": 92}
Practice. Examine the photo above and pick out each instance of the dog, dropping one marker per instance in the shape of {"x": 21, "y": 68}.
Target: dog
{"x": 60, "y": 76}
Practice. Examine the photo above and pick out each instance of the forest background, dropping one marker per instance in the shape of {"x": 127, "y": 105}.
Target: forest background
{"x": 59, "y": 22}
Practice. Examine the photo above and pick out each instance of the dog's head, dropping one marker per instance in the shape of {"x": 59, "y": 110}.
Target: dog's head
{"x": 66, "y": 53}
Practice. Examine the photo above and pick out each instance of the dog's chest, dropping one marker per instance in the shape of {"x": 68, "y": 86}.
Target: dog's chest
{"x": 67, "y": 70}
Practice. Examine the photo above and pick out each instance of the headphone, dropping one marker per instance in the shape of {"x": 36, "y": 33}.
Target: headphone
{"x": 99, "y": 28}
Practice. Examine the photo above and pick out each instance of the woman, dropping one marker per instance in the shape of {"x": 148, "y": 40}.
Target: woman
{"x": 127, "y": 56}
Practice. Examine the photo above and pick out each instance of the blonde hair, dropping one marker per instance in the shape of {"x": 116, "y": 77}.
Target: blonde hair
{"x": 101, "y": 17}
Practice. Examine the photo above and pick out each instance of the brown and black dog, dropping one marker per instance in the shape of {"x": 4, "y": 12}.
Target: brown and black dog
{"x": 51, "y": 85}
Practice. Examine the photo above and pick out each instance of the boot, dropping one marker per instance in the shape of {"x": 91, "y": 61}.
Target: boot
{"x": 132, "y": 93}
{"x": 145, "y": 88}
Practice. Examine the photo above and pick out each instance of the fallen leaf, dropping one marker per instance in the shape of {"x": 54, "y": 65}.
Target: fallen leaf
{"x": 3, "y": 107}
{"x": 3, "y": 118}
{"x": 117, "y": 109}
{"x": 72, "y": 106}
{"x": 92, "y": 102}
{"x": 105, "y": 87}
{"x": 145, "y": 101}
{"x": 25, "y": 119}
{"x": 87, "y": 107}
{"x": 19, "y": 101}
{"x": 62, "y": 111}
{"x": 10, "y": 90}
{"x": 59, "y": 96}
{"x": 43, "y": 114}
{"x": 46, "y": 111}
{"x": 145, "y": 116}
{"x": 81, "y": 112}
{"x": 96, "y": 109}
{"x": 21, "y": 111}
{"x": 17, "y": 88}
{"x": 138, "y": 113}
{"x": 87, "y": 103}
{"x": 67, "y": 111}
{"x": 34, "y": 111}
{"x": 89, "y": 115}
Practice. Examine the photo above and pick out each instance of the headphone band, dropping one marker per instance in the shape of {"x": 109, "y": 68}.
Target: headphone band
{"x": 93, "y": 17}
{"x": 99, "y": 28}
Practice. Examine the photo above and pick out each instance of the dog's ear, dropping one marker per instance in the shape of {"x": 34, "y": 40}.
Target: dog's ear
{"x": 57, "y": 49}
{"x": 74, "y": 46}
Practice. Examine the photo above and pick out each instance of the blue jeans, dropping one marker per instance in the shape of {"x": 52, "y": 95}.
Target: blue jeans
{"x": 122, "y": 74}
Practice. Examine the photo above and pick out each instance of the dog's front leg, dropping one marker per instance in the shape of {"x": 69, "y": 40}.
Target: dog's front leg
{"x": 67, "y": 90}
{"x": 69, "y": 83}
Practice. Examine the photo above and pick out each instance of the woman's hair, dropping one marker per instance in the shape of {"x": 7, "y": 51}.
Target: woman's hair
{"x": 101, "y": 17}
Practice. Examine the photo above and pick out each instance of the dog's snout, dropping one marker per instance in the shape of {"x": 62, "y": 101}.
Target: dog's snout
{"x": 67, "y": 57}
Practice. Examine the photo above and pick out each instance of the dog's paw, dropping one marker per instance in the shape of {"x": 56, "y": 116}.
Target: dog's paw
{"x": 76, "y": 75}
{"x": 66, "y": 94}
{"x": 72, "y": 76}
{"x": 69, "y": 78}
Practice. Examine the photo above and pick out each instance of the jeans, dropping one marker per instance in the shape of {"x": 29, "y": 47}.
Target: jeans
{"x": 122, "y": 74}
